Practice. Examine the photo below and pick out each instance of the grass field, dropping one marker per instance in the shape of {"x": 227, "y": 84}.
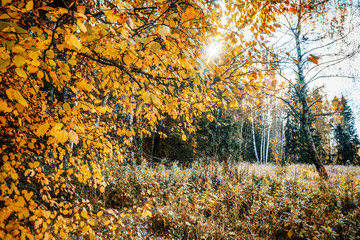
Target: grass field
{"x": 235, "y": 201}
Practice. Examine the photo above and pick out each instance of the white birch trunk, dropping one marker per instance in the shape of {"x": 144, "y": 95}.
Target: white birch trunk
{"x": 253, "y": 133}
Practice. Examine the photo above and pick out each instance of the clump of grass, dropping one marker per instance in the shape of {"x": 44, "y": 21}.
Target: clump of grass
{"x": 236, "y": 201}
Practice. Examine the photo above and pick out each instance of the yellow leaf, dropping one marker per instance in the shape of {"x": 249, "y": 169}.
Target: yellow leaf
{"x": 50, "y": 53}
{"x": 18, "y": 49}
{"x": 4, "y": 107}
{"x": 102, "y": 189}
{"x": 4, "y": 63}
{"x": 155, "y": 46}
{"x": 9, "y": 93}
{"x": 21, "y": 72}
{"x": 73, "y": 137}
{"x": 175, "y": 35}
{"x": 62, "y": 136}
{"x": 141, "y": 40}
{"x": 290, "y": 233}
{"x": 75, "y": 41}
{"x": 183, "y": 137}
{"x": 154, "y": 99}
{"x": 28, "y": 195}
{"x": 40, "y": 74}
{"x": 84, "y": 85}
{"x": 111, "y": 17}
{"x": 81, "y": 26}
{"x": 99, "y": 213}
{"x": 29, "y": 6}
{"x": 19, "y": 60}
{"x": 72, "y": 61}
{"x": 85, "y": 229}
{"x": 84, "y": 214}
{"x": 57, "y": 126}
{"x": 250, "y": 119}
{"x": 233, "y": 104}
{"x": 4, "y": 2}
{"x": 128, "y": 60}
{"x": 147, "y": 97}
{"x": 66, "y": 106}
{"x": 42, "y": 129}
{"x": 17, "y": 96}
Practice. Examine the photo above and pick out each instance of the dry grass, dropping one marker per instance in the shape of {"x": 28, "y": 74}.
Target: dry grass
{"x": 236, "y": 201}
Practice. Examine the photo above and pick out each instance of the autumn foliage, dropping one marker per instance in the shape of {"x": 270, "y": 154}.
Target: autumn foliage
{"x": 80, "y": 79}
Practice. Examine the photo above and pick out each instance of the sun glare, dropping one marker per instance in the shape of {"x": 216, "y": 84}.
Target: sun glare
{"x": 213, "y": 50}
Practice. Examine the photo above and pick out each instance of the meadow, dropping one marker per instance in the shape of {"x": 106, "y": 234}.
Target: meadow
{"x": 211, "y": 200}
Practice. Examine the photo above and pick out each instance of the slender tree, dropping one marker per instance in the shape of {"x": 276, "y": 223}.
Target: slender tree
{"x": 305, "y": 54}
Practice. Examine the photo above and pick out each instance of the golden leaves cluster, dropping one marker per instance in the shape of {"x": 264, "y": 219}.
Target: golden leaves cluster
{"x": 80, "y": 81}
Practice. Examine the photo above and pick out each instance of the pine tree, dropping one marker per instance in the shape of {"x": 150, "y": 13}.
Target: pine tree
{"x": 346, "y": 138}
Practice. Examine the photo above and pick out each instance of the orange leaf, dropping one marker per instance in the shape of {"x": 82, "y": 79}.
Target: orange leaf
{"x": 313, "y": 59}
{"x": 36, "y": 164}
{"x": 4, "y": 107}
{"x": 29, "y": 6}
{"x": 297, "y": 61}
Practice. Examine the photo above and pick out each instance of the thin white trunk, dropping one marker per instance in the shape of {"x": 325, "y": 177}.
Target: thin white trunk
{"x": 253, "y": 133}
{"x": 268, "y": 137}
{"x": 263, "y": 133}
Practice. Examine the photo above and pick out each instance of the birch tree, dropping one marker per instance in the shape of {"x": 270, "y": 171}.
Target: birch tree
{"x": 306, "y": 50}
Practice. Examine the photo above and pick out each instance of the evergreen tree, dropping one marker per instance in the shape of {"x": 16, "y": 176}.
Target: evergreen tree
{"x": 345, "y": 133}
{"x": 296, "y": 145}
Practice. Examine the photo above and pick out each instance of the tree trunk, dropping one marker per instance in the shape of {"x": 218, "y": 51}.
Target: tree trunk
{"x": 302, "y": 95}
{"x": 268, "y": 139}
{"x": 253, "y": 133}
{"x": 312, "y": 149}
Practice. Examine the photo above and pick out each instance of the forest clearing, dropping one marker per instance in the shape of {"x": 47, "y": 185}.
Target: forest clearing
{"x": 179, "y": 119}
{"x": 237, "y": 201}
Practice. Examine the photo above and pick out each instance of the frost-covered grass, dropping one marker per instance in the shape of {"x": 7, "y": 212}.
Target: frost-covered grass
{"x": 235, "y": 201}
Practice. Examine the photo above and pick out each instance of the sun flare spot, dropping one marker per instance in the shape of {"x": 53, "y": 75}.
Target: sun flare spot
{"x": 213, "y": 50}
